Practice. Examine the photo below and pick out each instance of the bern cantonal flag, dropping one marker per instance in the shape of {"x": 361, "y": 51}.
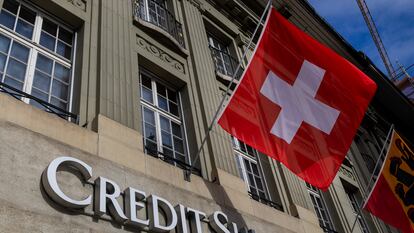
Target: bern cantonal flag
{"x": 298, "y": 102}
{"x": 392, "y": 198}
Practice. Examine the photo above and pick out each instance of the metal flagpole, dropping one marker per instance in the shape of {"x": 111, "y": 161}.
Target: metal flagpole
{"x": 372, "y": 177}
{"x": 187, "y": 174}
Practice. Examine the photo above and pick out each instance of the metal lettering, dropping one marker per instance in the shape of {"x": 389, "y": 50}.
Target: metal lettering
{"x": 106, "y": 192}
{"x": 155, "y": 203}
{"x": 217, "y": 221}
{"x": 133, "y": 202}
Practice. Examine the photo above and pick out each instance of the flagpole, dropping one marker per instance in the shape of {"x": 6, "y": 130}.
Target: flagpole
{"x": 187, "y": 174}
{"x": 372, "y": 177}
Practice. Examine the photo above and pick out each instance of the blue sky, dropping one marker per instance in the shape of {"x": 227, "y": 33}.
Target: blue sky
{"x": 393, "y": 18}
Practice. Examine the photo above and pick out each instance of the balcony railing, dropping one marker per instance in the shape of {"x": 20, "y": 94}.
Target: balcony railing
{"x": 20, "y": 95}
{"x": 153, "y": 12}
{"x": 225, "y": 64}
{"x": 265, "y": 201}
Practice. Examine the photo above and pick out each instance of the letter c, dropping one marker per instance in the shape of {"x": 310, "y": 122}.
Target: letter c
{"x": 52, "y": 188}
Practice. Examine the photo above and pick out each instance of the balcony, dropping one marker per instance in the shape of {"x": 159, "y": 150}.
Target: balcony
{"x": 225, "y": 64}
{"x": 154, "y": 14}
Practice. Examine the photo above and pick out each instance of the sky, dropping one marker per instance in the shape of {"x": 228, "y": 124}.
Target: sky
{"x": 394, "y": 20}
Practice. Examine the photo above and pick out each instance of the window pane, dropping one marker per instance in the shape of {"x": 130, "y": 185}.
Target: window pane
{"x": 62, "y": 73}
{"x": 4, "y": 44}
{"x": 2, "y": 62}
{"x": 259, "y": 183}
{"x": 47, "y": 41}
{"x": 44, "y": 64}
{"x": 146, "y": 82}
{"x": 49, "y": 27}
{"x": 151, "y": 147}
{"x": 24, "y": 29}
{"x": 149, "y": 116}
{"x": 20, "y": 52}
{"x": 165, "y": 124}
{"x": 64, "y": 50}
{"x": 146, "y": 94}
{"x": 167, "y": 152}
{"x": 7, "y": 19}
{"x": 161, "y": 90}
{"x": 179, "y": 145}
{"x": 16, "y": 69}
{"x": 65, "y": 36}
{"x": 173, "y": 108}
{"x": 166, "y": 139}
{"x": 176, "y": 129}
{"x": 14, "y": 83}
{"x": 162, "y": 103}
{"x": 58, "y": 103}
{"x": 27, "y": 14}
{"x": 251, "y": 179}
{"x": 40, "y": 94}
{"x": 41, "y": 81}
{"x": 172, "y": 95}
{"x": 11, "y": 6}
{"x": 60, "y": 90}
{"x": 255, "y": 170}
{"x": 150, "y": 132}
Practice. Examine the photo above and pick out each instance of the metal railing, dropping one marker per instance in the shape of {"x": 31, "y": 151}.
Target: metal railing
{"x": 328, "y": 230}
{"x": 153, "y": 12}
{"x": 265, "y": 201}
{"x": 169, "y": 159}
{"x": 225, "y": 63}
{"x": 18, "y": 94}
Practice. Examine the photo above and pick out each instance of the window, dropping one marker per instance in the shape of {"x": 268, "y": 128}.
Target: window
{"x": 35, "y": 54}
{"x": 162, "y": 125}
{"x": 223, "y": 61}
{"x": 320, "y": 208}
{"x": 249, "y": 169}
{"x": 355, "y": 208}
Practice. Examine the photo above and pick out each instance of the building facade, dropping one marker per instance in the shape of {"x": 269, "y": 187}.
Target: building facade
{"x": 129, "y": 88}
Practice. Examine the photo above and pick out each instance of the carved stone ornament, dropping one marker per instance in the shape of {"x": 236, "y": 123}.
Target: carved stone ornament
{"x": 160, "y": 54}
{"x": 81, "y": 4}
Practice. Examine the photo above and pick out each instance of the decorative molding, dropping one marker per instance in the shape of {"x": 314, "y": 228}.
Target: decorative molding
{"x": 160, "y": 54}
{"x": 81, "y": 4}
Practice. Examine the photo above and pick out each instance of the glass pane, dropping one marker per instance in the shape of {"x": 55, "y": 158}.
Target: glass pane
{"x": 146, "y": 82}
{"x": 62, "y": 73}
{"x": 14, "y": 83}
{"x": 47, "y": 41}
{"x": 161, "y": 90}
{"x": 146, "y": 94}
{"x": 262, "y": 195}
{"x": 64, "y": 50}
{"x": 166, "y": 139}
{"x": 20, "y": 52}
{"x": 40, "y": 94}
{"x": 16, "y": 69}
{"x": 49, "y": 27}
{"x": 150, "y": 132}
{"x": 11, "y": 6}
{"x": 259, "y": 183}
{"x": 27, "y": 14}
{"x": 165, "y": 124}
{"x": 255, "y": 170}
{"x": 58, "y": 103}
{"x": 60, "y": 90}
{"x": 179, "y": 145}
{"x": 4, "y": 44}
{"x": 149, "y": 116}
{"x": 251, "y": 179}
{"x": 65, "y": 36}
{"x": 173, "y": 108}
{"x": 172, "y": 95}
{"x": 2, "y": 62}
{"x": 247, "y": 165}
{"x": 162, "y": 103}
{"x": 167, "y": 152}
{"x": 25, "y": 29}
{"x": 151, "y": 147}
{"x": 176, "y": 129}
{"x": 41, "y": 81}
{"x": 44, "y": 64}
{"x": 7, "y": 19}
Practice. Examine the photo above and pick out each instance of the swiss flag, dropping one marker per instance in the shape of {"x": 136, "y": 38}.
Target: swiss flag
{"x": 298, "y": 102}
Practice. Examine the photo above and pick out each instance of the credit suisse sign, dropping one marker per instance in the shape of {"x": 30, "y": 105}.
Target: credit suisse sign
{"x": 105, "y": 201}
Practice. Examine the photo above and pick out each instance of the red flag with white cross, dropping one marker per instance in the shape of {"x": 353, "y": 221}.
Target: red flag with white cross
{"x": 298, "y": 102}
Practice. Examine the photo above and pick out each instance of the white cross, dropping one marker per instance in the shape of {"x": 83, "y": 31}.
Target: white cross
{"x": 298, "y": 103}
